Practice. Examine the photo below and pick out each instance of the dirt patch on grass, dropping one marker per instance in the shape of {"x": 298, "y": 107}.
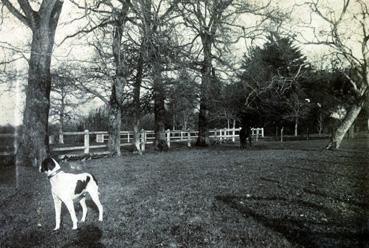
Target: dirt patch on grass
{"x": 273, "y": 195}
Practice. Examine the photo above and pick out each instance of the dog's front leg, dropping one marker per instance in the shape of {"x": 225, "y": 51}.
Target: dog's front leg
{"x": 57, "y": 206}
{"x": 70, "y": 207}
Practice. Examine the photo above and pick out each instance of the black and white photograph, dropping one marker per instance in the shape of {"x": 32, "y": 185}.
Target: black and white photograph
{"x": 184, "y": 123}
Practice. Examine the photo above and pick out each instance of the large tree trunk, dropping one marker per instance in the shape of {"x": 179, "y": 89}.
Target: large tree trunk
{"x": 121, "y": 72}
{"x": 159, "y": 104}
{"x": 34, "y": 142}
{"x": 203, "y": 137}
{"x": 136, "y": 103}
{"x": 346, "y": 123}
{"x": 114, "y": 124}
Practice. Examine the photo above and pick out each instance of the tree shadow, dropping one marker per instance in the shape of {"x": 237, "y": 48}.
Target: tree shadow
{"x": 34, "y": 238}
{"x": 311, "y": 230}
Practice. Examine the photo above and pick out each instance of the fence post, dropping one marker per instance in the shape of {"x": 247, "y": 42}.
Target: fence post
{"x": 128, "y": 137}
{"x": 61, "y": 137}
{"x": 262, "y": 132}
{"x": 189, "y": 139}
{"x": 143, "y": 139}
{"x": 167, "y": 134}
{"x": 181, "y": 135}
{"x": 87, "y": 142}
{"x": 257, "y": 134}
{"x": 51, "y": 139}
{"x": 233, "y": 134}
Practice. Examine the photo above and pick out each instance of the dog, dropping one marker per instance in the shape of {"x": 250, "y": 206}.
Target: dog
{"x": 66, "y": 187}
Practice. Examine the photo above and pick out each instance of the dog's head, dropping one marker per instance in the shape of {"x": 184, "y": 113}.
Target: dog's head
{"x": 48, "y": 165}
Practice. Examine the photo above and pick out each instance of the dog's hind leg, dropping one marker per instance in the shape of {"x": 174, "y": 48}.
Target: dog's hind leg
{"x": 57, "y": 206}
{"x": 70, "y": 207}
{"x": 84, "y": 208}
{"x": 95, "y": 197}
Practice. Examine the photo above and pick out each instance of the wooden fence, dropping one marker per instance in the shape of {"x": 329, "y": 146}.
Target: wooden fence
{"x": 97, "y": 140}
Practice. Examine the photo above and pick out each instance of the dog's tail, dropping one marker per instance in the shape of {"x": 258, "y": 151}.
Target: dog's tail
{"x": 94, "y": 178}
{"x": 92, "y": 183}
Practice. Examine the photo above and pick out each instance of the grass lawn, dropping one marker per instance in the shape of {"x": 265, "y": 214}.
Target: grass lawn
{"x": 273, "y": 195}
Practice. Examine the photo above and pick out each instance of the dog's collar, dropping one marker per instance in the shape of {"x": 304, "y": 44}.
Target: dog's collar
{"x": 54, "y": 173}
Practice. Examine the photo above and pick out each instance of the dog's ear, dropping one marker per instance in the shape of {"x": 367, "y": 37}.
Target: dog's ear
{"x": 47, "y": 164}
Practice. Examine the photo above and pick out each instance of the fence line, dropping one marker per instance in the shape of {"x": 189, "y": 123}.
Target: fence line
{"x": 146, "y": 137}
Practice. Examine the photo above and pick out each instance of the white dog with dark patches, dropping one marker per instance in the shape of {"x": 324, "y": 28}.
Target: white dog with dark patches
{"x": 66, "y": 187}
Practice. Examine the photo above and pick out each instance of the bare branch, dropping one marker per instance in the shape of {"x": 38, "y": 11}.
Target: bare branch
{"x": 85, "y": 30}
{"x": 20, "y": 16}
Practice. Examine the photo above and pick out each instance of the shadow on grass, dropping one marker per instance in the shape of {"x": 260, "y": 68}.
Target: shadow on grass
{"x": 308, "y": 231}
{"x": 88, "y": 236}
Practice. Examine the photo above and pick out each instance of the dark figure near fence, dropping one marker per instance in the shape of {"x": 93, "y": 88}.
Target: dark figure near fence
{"x": 162, "y": 146}
{"x": 245, "y": 135}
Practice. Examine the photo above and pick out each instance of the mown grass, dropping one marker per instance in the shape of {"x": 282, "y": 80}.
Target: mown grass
{"x": 274, "y": 195}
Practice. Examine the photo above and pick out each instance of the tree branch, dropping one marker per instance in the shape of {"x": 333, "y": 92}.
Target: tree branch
{"x": 15, "y": 12}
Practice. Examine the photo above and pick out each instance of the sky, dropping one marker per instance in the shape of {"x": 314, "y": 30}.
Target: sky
{"x": 13, "y": 32}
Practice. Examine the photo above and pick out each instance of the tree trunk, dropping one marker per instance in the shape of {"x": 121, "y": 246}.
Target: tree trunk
{"x": 114, "y": 125}
{"x": 121, "y": 72}
{"x": 203, "y": 136}
{"x": 61, "y": 116}
{"x": 282, "y": 129}
{"x": 159, "y": 101}
{"x": 136, "y": 102}
{"x": 61, "y": 127}
{"x": 351, "y": 131}
{"x": 276, "y": 132}
{"x": 296, "y": 126}
{"x": 185, "y": 124}
{"x": 342, "y": 129}
{"x": 34, "y": 142}
{"x": 320, "y": 124}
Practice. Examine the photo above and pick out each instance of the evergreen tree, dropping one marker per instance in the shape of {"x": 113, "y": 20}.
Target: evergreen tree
{"x": 269, "y": 88}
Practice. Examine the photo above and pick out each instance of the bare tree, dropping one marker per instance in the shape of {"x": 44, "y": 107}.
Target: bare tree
{"x": 65, "y": 97}
{"x": 61, "y": 106}
{"x": 136, "y": 98}
{"x": 155, "y": 17}
{"x": 347, "y": 35}
{"x": 110, "y": 17}
{"x": 120, "y": 79}
{"x": 34, "y": 145}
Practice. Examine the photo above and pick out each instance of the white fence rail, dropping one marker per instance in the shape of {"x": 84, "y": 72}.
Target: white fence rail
{"x": 146, "y": 137}
{"x": 99, "y": 138}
